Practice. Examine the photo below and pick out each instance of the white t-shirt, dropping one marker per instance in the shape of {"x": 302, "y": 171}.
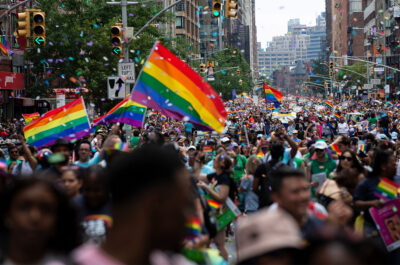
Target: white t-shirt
{"x": 343, "y": 128}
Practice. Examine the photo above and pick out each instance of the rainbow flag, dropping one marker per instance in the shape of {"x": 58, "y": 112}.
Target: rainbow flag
{"x": 271, "y": 108}
{"x": 305, "y": 110}
{"x": 4, "y": 47}
{"x": 193, "y": 228}
{"x": 126, "y": 111}
{"x": 337, "y": 116}
{"x": 272, "y": 95}
{"x": 260, "y": 155}
{"x": 362, "y": 148}
{"x": 335, "y": 149}
{"x": 398, "y": 105}
{"x": 213, "y": 204}
{"x": 244, "y": 94}
{"x": 3, "y": 165}
{"x": 169, "y": 85}
{"x": 29, "y": 117}
{"x": 329, "y": 105}
{"x": 386, "y": 190}
{"x": 390, "y": 103}
{"x": 69, "y": 122}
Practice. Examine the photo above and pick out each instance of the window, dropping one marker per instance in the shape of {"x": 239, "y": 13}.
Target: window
{"x": 179, "y": 22}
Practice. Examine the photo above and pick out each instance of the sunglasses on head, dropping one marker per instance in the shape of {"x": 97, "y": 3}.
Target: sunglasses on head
{"x": 346, "y": 157}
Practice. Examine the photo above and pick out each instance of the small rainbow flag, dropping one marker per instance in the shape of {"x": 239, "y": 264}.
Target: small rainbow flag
{"x": 244, "y": 94}
{"x": 306, "y": 110}
{"x": 271, "y": 108}
{"x": 329, "y": 105}
{"x": 213, "y": 204}
{"x": 335, "y": 149}
{"x": 4, "y": 47}
{"x": 390, "y": 103}
{"x": 193, "y": 228}
{"x": 362, "y": 148}
{"x": 337, "y": 116}
{"x": 386, "y": 190}
{"x": 398, "y": 105}
{"x": 3, "y": 165}
{"x": 121, "y": 146}
{"x": 260, "y": 155}
{"x": 69, "y": 122}
{"x": 271, "y": 94}
{"x": 169, "y": 85}
{"x": 30, "y": 117}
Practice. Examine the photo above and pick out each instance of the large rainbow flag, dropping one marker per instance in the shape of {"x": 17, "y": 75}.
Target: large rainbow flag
{"x": 5, "y": 47}
{"x": 272, "y": 95}
{"x": 170, "y": 86}
{"x": 126, "y": 111}
{"x": 69, "y": 121}
{"x": 31, "y": 116}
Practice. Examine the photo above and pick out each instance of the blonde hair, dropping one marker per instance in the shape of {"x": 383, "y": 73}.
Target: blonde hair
{"x": 252, "y": 163}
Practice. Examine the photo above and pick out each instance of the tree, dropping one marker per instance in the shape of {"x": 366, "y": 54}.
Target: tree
{"x": 227, "y": 80}
{"x": 78, "y": 49}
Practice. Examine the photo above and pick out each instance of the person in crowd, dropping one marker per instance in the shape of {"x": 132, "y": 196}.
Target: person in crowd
{"x": 348, "y": 159}
{"x": 38, "y": 224}
{"x": 321, "y": 165}
{"x": 220, "y": 187}
{"x": 13, "y": 154}
{"x": 72, "y": 181}
{"x": 150, "y": 205}
{"x": 94, "y": 205}
{"x": 246, "y": 185}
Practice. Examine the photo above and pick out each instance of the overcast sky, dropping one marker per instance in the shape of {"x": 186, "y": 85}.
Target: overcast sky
{"x": 272, "y": 16}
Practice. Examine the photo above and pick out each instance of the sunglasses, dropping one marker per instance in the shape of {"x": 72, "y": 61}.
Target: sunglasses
{"x": 346, "y": 157}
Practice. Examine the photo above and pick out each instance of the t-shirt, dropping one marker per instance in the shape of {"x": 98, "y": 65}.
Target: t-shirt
{"x": 134, "y": 141}
{"x": 251, "y": 199}
{"x": 95, "y": 222}
{"x": 239, "y": 167}
{"x": 22, "y": 169}
{"x": 372, "y": 120}
{"x": 93, "y": 161}
{"x": 365, "y": 191}
{"x": 188, "y": 126}
{"x": 223, "y": 179}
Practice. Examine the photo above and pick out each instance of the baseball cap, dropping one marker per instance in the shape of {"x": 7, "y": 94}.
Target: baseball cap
{"x": 259, "y": 135}
{"x": 266, "y": 231}
{"x": 192, "y": 147}
{"x": 320, "y": 145}
{"x": 225, "y": 139}
{"x": 295, "y": 131}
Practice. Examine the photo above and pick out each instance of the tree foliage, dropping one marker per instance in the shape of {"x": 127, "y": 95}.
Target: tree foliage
{"x": 79, "y": 46}
{"x": 227, "y": 80}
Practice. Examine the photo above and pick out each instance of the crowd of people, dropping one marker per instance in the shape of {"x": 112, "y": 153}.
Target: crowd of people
{"x": 293, "y": 185}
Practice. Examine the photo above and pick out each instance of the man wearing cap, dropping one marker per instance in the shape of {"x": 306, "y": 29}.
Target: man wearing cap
{"x": 321, "y": 165}
{"x": 268, "y": 237}
{"x": 294, "y": 137}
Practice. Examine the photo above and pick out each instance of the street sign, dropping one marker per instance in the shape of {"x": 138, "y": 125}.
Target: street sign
{"x": 127, "y": 70}
{"x": 368, "y": 86}
{"x": 129, "y": 32}
{"x": 115, "y": 87}
{"x": 379, "y": 69}
{"x": 376, "y": 81}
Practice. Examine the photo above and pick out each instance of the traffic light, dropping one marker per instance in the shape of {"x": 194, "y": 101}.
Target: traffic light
{"x": 331, "y": 69}
{"x": 24, "y": 24}
{"x": 116, "y": 39}
{"x": 231, "y": 9}
{"x": 202, "y": 69}
{"x": 372, "y": 70}
{"x": 216, "y": 8}
{"x": 39, "y": 28}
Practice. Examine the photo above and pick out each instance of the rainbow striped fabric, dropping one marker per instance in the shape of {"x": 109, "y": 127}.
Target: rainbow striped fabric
{"x": 4, "y": 47}
{"x": 213, "y": 204}
{"x": 193, "y": 228}
{"x": 271, "y": 108}
{"x": 329, "y": 105}
{"x": 244, "y": 94}
{"x": 335, "y": 149}
{"x": 337, "y": 116}
{"x": 169, "y": 85}
{"x": 29, "y": 117}
{"x": 272, "y": 95}
{"x": 390, "y": 103}
{"x": 126, "y": 111}
{"x": 386, "y": 190}
{"x": 68, "y": 122}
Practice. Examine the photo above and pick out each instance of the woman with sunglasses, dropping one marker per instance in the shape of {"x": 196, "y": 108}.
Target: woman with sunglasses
{"x": 219, "y": 186}
{"x": 347, "y": 160}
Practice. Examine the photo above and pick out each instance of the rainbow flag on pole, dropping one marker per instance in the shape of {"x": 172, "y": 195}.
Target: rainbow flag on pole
{"x": 329, "y": 105}
{"x": 4, "y": 47}
{"x": 272, "y": 95}
{"x": 213, "y": 204}
{"x": 335, "y": 149}
{"x": 69, "y": 122}
{"x": 29, "y": 117}
{"x": 126, "y": 111}
{"x": 244, "y": 94}
{"x": 169, "y": 85}
{"x": 386, "y": 190}
{"x": 337, "y": 116}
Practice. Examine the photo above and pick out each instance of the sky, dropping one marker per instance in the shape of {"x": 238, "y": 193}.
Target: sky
{"x": 272, "y": 16}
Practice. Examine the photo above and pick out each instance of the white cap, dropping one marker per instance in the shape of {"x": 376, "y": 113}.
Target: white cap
{"x": 225, "y": 139}
{"x": 320, "y": 145}
{"x": 192, "y": 147}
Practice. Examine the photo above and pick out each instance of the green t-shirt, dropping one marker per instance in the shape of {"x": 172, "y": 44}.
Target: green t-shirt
{"x": 372, "y": 120}
{"x": 240, "y": 167}
{"x": 328, "y": 167}
{"x": 134, "y": 141}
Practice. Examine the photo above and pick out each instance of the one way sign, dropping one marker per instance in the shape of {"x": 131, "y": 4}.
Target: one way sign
{"x": 116, "y": 87}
